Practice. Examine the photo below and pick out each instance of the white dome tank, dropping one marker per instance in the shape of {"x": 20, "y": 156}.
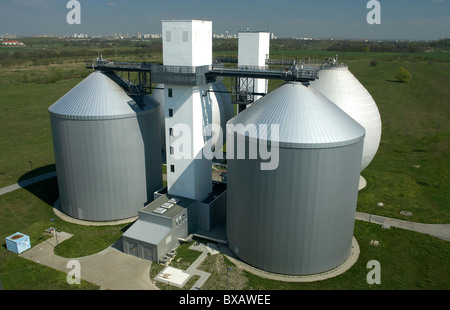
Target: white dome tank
{"x": 340, "y": 86}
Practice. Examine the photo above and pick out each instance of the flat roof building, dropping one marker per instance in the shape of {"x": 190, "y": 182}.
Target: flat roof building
{"x": 160, "y": 225}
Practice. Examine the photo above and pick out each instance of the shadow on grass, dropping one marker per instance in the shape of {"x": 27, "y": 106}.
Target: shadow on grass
{"x": 118, "y": 245}
{"x": 395, "y": 81}
{"x": 125, "y": 228}
{"x": 42, "y": 183}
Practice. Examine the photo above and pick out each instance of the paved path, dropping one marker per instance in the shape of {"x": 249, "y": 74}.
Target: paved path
{"x": 193, "y": 267}
{"x": 110, "y": 269}
{"x": 441, "y": 231}
{"x": 351, "y": 260}
{"x": 26, "y": 183}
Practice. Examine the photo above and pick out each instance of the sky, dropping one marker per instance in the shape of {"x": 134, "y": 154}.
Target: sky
{"x": 340, "y": 19}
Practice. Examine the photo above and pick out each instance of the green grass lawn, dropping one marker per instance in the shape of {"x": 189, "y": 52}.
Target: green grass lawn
{"x": 30, "y": 212}
{"x": 184, "y": 258}
{"x": 25, "y": 133}
{"x": 408, "y": 261}
{"x": 410, "y": 172}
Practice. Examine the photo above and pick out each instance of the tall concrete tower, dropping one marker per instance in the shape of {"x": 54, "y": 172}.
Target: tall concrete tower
{"x": 253, "y": 50}
{"x": 187, "y": 49}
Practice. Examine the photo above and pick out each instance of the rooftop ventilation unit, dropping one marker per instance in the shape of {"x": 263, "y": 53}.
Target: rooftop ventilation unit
{"x": 160, "y": 210}
{"x": 174, "y": 200}
{"x": 167, "y": 205}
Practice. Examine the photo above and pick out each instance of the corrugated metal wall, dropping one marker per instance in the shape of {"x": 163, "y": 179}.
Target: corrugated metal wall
{"x": 107, "y": 169}
{"x": 107, "y": 150}
{"x": 299, "y": 218}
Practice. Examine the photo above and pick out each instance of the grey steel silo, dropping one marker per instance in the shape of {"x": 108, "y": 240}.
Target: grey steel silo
{"x": 107, "y": 150}
{"x": 158, "y": 95}
{"x": 222, "y": 110}
{"x": 296, "y": 219}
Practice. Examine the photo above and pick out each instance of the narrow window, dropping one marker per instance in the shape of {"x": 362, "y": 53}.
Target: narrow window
{"x": 172, "y": 168}
{"x": 171, "y": 150}
{"x": 170, "y": 112}
{"x": 170, "y": 93}
{"x": 185, "y": 36}
{"x": 170, "y": 131}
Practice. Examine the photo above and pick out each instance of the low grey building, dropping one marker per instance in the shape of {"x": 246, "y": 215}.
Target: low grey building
{"x": 170, "y": 219}
{"x": 160, "y": 225}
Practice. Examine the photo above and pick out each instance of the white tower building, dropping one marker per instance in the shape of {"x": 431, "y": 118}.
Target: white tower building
{"x": 253, "y": 50}
{"x": 187, "y": 42}
{"x": 187, "y": 47}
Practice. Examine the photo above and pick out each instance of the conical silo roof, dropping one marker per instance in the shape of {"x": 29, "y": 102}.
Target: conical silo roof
{"x": 306, "y": 119}
{"x": 98, "y": 97}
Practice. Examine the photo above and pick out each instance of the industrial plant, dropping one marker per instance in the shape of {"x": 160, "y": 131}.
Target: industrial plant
{"x": 113, "y": 132}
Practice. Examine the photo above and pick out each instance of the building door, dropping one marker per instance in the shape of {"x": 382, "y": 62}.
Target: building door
{"x": 132, "y": 249}
{"x": 147, "y": 253}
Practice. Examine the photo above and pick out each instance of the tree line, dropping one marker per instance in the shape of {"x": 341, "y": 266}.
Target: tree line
{"x": 44, "y": 50}
{"x": 390, "y": 47}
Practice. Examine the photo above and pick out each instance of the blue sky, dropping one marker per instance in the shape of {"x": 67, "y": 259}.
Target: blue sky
{"x": 400, "y": 19}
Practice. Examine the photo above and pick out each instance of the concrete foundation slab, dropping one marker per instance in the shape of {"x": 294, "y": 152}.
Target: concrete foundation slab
{"x": 173, "y": 276}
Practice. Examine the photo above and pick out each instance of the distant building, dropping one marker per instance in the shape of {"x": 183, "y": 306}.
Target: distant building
{"x": 80, "y": 36}
{"x": 13, "y": 43}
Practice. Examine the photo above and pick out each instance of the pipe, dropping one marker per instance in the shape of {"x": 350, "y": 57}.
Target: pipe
{"x": 211, "y": 239}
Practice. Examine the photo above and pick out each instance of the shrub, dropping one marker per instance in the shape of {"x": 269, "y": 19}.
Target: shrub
{"x": 374, "y": 62}
{"x": 403, "y": 75}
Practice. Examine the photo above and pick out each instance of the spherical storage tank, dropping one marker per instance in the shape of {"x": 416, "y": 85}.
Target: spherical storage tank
{"x": 107, "y": 150}
{"x": 340, "y": 86}
{"x": 296, "y": 219}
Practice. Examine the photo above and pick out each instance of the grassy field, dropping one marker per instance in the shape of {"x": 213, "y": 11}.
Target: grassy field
{"x": 25, "y": 133}
{"x": 29, "y": 211}
{"x": 409, "y": 261}
{"x": 410, "y": 172}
